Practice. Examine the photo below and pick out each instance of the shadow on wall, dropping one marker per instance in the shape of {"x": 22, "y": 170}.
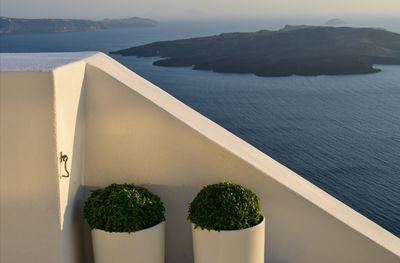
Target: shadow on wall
{"x": 85, "y": 236}
{"x": 77, "y": 245}
{"x": 178, "y": 227}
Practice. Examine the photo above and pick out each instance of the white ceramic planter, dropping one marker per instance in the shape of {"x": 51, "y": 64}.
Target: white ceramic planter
{"x": 147, "y": 245}
{"x": 232, "y": 246}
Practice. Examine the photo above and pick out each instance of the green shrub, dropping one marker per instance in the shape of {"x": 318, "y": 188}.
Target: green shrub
{"x": 225, "y": 206}
{"x": 123, "y": 208}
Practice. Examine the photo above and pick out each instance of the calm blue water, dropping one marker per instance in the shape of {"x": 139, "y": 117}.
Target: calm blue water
{"x": 342, "y": 133}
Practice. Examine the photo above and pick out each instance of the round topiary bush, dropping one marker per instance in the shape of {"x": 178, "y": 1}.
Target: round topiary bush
{"x": 123, "y": 208}
{"x": 225, "y": 206}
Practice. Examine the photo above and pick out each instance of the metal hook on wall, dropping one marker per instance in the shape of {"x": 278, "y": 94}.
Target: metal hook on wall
{"x": 64, "y": 158}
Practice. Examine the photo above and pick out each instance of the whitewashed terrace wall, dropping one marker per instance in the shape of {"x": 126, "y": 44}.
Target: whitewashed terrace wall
{"x": 29, "y": 206}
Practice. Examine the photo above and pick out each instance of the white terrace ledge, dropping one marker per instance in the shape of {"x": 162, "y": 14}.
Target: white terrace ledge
{"x": 117, "y": 127}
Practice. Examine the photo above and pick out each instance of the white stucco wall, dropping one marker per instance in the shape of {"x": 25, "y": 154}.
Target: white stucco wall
{"x": 116, "y": 127}
{"x": 29, "y": 203}
{"x": 42, "y": 111}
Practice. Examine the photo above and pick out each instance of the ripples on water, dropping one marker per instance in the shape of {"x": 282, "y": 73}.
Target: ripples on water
{"x": 342, "y": 133}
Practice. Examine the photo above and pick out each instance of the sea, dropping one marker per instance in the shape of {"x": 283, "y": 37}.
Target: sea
{"x": 342, "y": 133}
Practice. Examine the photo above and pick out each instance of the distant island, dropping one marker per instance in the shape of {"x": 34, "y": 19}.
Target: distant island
{"x": 20, "y": 25}
{"x": 335, "y": 22}
{"x": 293, "y": 50}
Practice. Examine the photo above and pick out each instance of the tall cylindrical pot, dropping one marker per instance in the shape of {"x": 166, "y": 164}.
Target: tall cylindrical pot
{"x": 233, "y": 246}
{"x": 147, "y": 245}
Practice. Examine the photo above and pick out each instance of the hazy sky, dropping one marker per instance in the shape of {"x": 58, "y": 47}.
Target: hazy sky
{"x": 197, "y": 9}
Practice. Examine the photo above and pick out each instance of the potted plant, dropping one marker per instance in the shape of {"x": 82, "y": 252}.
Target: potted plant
{"x": 128, "y": 224}
{"x": 227, "y": 225}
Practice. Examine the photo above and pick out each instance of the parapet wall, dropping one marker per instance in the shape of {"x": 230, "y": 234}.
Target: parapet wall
{"x": 117, "y": 127}
{"x": 29, "y": 206}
